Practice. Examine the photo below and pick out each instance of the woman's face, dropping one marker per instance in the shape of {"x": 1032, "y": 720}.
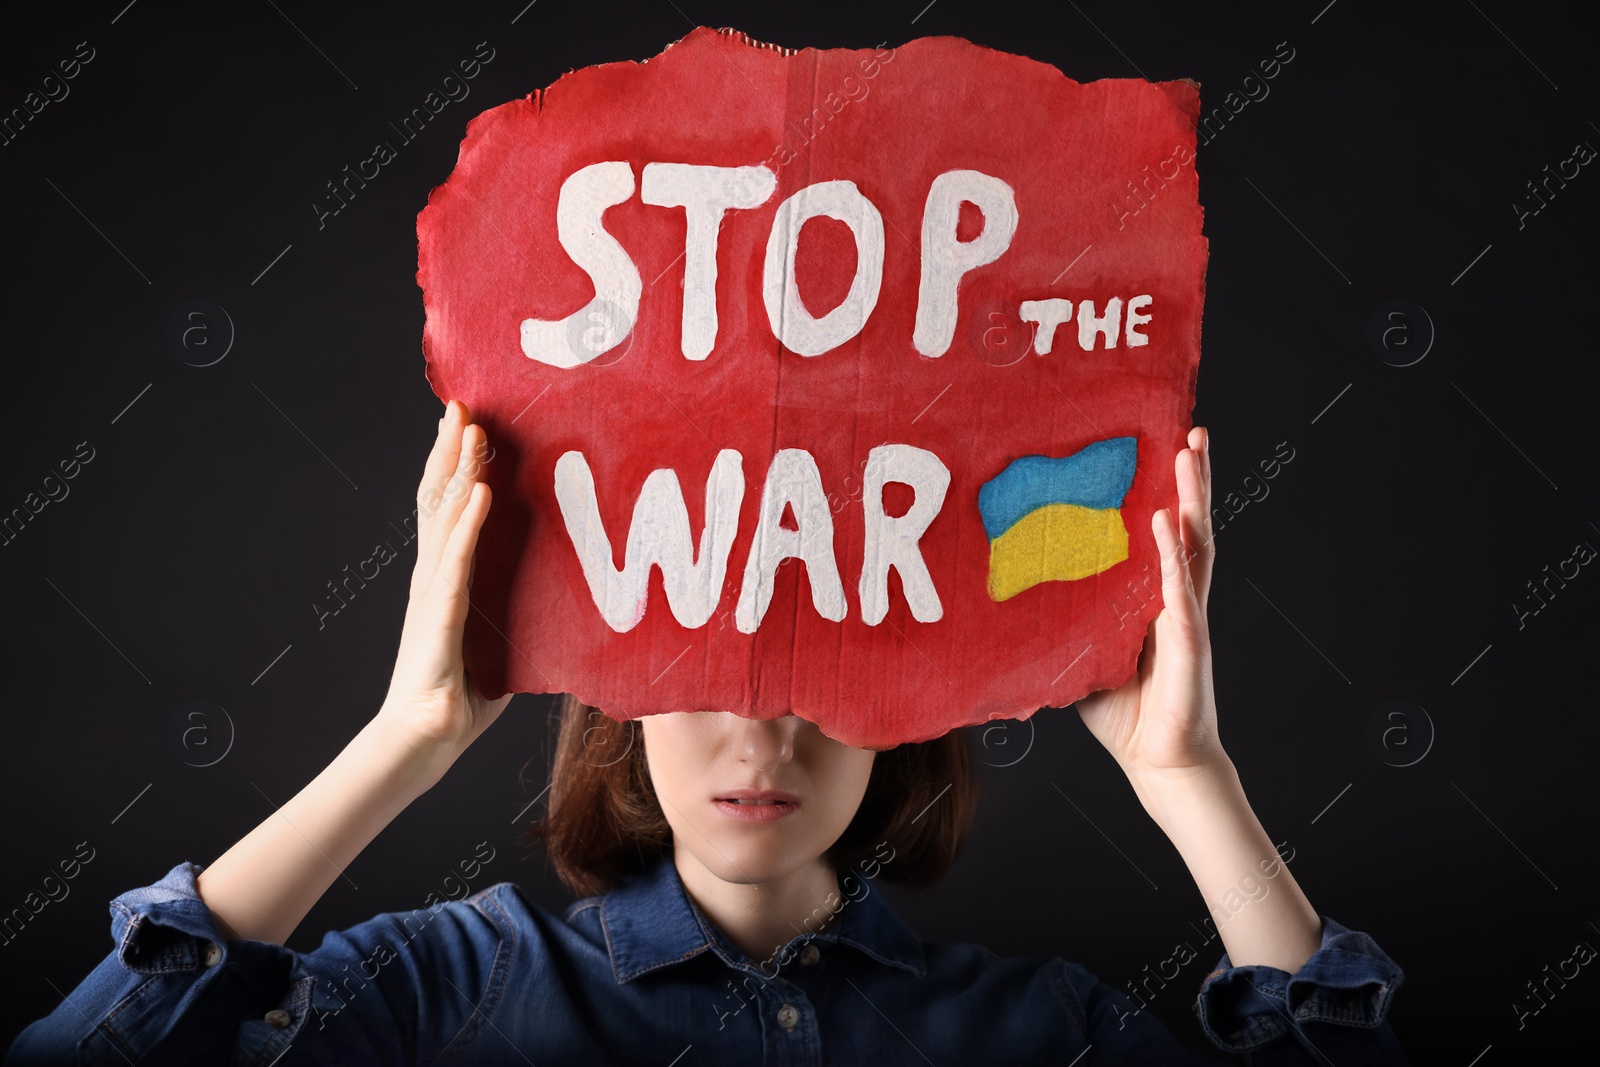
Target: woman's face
{"x": 753, "y": 801}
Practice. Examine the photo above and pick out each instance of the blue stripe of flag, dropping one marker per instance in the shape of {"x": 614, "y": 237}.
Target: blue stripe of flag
{"x": 1097, "y": 476}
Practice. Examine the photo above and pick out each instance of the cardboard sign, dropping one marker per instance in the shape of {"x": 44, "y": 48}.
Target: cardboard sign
{"x": 841, "y": 383}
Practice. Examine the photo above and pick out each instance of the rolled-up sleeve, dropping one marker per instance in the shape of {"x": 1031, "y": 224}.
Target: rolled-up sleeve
{"x": 175, "y": 989}
{"x": 172, "y": 982}
{"x": 1335, "y": 1006}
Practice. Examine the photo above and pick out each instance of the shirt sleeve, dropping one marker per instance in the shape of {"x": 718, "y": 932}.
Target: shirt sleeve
{"x": 175, "y": 990}
{"x": 1334, "y": 1008}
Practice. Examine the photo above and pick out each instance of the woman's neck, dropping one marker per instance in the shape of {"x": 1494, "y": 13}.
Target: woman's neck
{"x": 762, "y": 918}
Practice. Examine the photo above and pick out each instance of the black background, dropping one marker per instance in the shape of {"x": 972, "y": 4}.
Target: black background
{"x": 1385, "y": 558}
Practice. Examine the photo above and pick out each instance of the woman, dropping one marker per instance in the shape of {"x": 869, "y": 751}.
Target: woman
{"x": 730, "y": 861}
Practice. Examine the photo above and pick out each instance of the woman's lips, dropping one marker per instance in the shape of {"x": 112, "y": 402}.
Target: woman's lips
{"x": 756, "y": 805}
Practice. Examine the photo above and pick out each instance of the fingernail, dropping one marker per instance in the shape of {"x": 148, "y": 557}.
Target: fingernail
{"x": 1205, "y": 442}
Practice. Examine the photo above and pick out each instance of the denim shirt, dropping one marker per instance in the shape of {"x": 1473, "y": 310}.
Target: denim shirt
{"x": 640, "y": 975}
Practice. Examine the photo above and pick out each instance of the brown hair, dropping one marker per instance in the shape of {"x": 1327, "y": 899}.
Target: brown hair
{"x": 603, "y": 821}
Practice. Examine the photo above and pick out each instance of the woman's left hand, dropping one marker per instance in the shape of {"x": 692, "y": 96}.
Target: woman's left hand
{"x": 1162, "y": 722}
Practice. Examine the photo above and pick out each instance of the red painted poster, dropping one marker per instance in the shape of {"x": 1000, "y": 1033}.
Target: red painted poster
{"x": 834, "y": 382}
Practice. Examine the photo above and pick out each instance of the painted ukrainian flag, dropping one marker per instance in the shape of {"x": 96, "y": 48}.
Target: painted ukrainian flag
{"x": 1057, "y": 519}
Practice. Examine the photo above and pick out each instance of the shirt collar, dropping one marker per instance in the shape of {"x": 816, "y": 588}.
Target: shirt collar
{"x": 650, "y": 923}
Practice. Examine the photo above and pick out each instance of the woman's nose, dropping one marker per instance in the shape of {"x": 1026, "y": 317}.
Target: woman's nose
{"x": 767, "y": 743}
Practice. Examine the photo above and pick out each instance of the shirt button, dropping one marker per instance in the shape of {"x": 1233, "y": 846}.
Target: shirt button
{"x": 788, "y": 1015}
{"x": 810, "y": 955}
{"x": 277, "y": 1018}
{"x": 213, "y": 954}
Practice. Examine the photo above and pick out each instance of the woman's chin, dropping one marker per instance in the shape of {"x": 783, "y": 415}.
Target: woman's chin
{"x": 753, "y": 862}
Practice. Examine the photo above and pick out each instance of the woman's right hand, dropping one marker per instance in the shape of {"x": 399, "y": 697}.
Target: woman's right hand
{"x": 431, "y": 701}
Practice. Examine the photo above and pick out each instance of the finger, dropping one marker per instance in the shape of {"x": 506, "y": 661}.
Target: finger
{"x": 1211, "y": 534}
{"x": 452, "y": 500}
{"x": 446, "y": 453}
{"x": 442, "y": 459}
{"x": 1177, "y": 586}
{"x": 455, "y": 564}
{"x": 1194, "y": 515}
